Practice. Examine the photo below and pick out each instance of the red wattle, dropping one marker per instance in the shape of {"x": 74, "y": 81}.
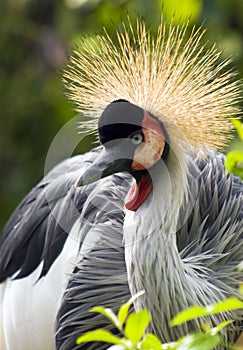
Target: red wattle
{"x": 138, "y": 193}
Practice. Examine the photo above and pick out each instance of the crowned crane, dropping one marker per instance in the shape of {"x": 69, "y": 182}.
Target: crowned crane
{"x": 150, "y": 209}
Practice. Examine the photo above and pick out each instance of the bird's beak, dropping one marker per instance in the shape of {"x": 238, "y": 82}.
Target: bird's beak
{"x": 109, "y": 162}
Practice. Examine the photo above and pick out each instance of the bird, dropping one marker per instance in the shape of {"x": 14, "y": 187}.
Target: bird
{"x": 151, "y": 208}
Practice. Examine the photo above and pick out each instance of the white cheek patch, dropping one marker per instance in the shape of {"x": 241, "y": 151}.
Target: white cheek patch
{"x": 150, "y": 151}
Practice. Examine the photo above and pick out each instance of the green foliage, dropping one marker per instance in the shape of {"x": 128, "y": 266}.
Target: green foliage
{"x": 239, "y": 127}
{"x": 132, "y": 328}
{"x": 133, "y": 334}
{"x": 234, "y": 159}
{"x": 201, "y": 311}
{"x": 180, "y": 10}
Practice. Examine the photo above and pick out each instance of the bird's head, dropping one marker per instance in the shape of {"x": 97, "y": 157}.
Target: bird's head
{"x": 151, "y": 98}
{"x": 134, "y": 141}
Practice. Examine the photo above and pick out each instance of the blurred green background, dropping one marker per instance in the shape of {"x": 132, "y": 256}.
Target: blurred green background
{"x": 35, "y": 37}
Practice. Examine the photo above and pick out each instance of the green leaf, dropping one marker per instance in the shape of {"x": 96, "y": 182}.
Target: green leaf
{"x": 225, "y": 305}
{"x": 136, "y": 324}
{"x": 217, "y": 329}
{"x": 201, "y": 311}
{"x": 188, "y": 314}
{"x": 150, "y": 342}
{"x": 101, "y": 335}
{"x": 234, "y": 163}
{"x": 123, "y": 311}
{"x": 180, "y": 11}
{"x": 108, "y": 313}
{"x": 239, "y": 127}
{"x": 198, "y": 341}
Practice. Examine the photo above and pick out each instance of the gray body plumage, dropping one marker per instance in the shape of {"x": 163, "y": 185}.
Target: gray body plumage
{"x": 209, "y": 240}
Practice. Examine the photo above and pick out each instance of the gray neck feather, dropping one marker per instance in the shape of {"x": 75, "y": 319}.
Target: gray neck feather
{"x": 154, "y": 264}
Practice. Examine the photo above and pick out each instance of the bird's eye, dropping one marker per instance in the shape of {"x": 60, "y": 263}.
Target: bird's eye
{"x": 137, "y": 138}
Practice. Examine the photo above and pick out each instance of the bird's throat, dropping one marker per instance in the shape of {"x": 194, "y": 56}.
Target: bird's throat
{"x": 138, "y": 193}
